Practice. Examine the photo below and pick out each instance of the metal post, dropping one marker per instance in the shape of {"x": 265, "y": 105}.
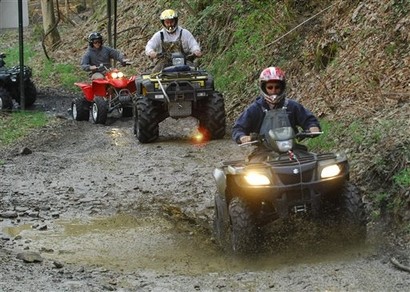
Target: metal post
{"x": 115, "y": 24}
{"x": 21, "y": 53}
{"x": 109, "y": 22}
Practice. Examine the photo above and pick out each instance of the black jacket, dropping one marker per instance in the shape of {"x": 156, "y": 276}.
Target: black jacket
{"x": 250, "y": 121}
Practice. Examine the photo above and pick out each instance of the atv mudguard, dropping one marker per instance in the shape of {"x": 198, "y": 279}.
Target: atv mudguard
{"x": 87, "y": 90}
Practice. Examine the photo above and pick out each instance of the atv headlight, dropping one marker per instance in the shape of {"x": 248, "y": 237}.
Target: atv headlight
{"x": 257, "y": 179}
{"x": 330, "y": 171}
{"x": 178, "y": 61}
{"x": 116, "y": 75}
{"x": 284, "y": 146}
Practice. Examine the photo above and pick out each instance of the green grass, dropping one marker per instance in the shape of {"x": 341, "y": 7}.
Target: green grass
{"x": 15, "y": 125}
{"x": 64, "y": 74}
{"x": 325, "y": 142}
{"x": 13, "y": 55}
{"x": 403, "y": 178}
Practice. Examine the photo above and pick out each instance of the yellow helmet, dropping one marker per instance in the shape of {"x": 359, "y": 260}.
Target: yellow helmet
{"x": 169, "y": 14}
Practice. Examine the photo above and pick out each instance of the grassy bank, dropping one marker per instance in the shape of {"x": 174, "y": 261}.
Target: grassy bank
{"x": 16, "y": 125}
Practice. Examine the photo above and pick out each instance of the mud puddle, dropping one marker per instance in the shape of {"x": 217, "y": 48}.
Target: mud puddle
{"x": 129, "y": 243}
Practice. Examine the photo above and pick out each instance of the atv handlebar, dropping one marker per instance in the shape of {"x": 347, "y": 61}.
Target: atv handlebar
{"x": 257, "y": 138}
{"x": 190, "y": 57}
{"x": 124, "y": 63}
{"x": 303, "y": 135}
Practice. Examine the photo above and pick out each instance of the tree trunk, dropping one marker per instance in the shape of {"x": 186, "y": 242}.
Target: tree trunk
{"x": 67, "y": 9}
{"x": 49, "y": 23}
{"x": 92, "y": 6}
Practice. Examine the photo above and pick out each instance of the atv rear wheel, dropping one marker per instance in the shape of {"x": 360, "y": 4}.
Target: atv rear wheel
{"x": 99, "y": 110}
{"x": 146, "y": 120}
{"x": 6, "y": 101}
{"x": 80, "y": 109}
{"x": 212, "y": 117}
{"x": 30, "y": 93}
{"x": 243, "y": 229}
{"x": 353, "y": 214}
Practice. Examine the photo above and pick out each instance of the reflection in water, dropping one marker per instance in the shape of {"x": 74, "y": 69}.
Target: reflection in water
{"x": 117, "y": 136}
{"x": 13, "y": 231}
{"x": 127, "y": 243}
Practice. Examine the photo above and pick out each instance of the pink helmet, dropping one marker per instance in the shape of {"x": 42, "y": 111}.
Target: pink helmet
{"x": 272, "y": 74}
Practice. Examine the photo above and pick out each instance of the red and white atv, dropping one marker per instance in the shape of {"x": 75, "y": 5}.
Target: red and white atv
{"x": 103, "y": 96}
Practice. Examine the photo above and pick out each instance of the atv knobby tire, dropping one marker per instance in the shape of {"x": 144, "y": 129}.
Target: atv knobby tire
{"x": 30, "y": 94}
{"x": 352, "y": 213}
{"x": 6, "y": 101}
{"x": 80, "y": 109}
{"x": 99, "y": 110}
{"x": 243, "y": 229}
{"x": 146, "y": 120}
{"x": 212, "y": 118}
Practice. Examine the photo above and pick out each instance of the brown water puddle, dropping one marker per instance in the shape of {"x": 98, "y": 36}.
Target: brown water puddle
{"x": 131, "y": 244}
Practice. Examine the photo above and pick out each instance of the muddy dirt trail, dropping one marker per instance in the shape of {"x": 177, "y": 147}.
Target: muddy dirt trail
{"x": 88, "y": 208}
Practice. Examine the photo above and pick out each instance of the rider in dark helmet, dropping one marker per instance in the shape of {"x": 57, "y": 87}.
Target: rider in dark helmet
{"x": 95, "y": 36}
{"x": 97, "y": 54}
{"x": 272, "y": 85}
{"x": 171, "y": 39}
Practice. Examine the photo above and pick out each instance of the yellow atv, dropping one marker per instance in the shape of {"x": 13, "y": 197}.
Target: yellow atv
{"x": 177, "y": 91}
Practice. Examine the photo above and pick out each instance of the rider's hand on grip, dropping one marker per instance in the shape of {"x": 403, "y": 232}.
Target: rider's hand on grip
{"x": 152, "y": 55}
{"x": 254, "y": 136}
{"x": 126, "y": 62}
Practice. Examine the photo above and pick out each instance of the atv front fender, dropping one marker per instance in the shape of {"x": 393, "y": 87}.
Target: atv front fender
{"x": 87, "y": 90}
{"x": 220, "y": 178}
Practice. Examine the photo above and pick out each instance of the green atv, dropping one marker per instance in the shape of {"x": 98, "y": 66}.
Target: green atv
{"x": 177, "y": 91}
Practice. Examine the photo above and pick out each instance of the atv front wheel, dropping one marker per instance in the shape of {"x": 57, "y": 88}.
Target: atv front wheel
{"x": 99, "y": 110}
{"x": 220, "y": 226}
{"x": 352, "y": 212}
{"x": 6, "y": 101}
{"x": 243, "y": 229}
{"x": 146, "y": 120}
{"x": 80, "y": 109}
{"x": 212, "y": 117}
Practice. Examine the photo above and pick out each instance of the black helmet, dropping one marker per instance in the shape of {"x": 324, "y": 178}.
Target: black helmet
{"x": 94, "y": 36}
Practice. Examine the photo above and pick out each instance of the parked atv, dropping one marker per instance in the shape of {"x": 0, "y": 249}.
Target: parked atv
{"x": 290, "y": 182}
{"x": 10, "y": 85}
{"x": 177, "y": 91}
{"x": 103, "y": 96}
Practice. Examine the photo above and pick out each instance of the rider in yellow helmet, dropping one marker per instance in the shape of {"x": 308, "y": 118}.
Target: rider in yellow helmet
{"x": 171, "y": 38}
